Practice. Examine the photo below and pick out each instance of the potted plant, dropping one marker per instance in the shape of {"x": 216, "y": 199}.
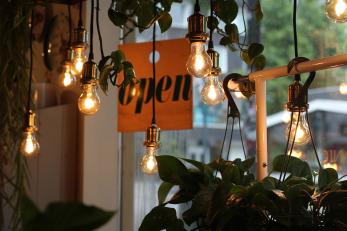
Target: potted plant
{"x": 224, "y": 195}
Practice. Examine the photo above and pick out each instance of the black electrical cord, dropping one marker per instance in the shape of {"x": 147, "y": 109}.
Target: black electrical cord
{"x": 243, "y": 146}
{"x": 91, "y": 50}
{"x": 210, "y": 43}
{"x": 31, "y": 65}
{"x": 98, "y": 28}
{"x": 70, "y": 22}
{"x": 312, "y": 140}
{"x": 231, "y": 138}
{"x": 153, "y": 65}
{"x": 197, "y": 6}
{"x": 296, "y": 52}
{"x": 80, "y": 23}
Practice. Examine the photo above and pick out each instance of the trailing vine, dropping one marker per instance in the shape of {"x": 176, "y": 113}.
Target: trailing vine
{"x": 14, "y": 43}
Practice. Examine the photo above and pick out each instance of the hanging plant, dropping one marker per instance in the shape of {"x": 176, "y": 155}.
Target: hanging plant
{"x": 236, "y": 201}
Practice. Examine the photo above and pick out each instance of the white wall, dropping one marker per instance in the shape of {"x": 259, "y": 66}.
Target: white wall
{"x": 99, "y": 138}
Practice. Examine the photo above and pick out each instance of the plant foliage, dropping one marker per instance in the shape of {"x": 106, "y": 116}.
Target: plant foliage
{"x": 224, "y": 195}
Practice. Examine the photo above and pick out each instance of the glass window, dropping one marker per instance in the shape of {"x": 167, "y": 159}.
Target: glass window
{"x": 318, "y": 37}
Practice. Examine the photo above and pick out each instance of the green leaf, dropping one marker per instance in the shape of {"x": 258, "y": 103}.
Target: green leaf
{"x": 226, "y": 10}
{"x": 164, "y": 21}
{"x": 167, "y": 4}
{"x": 255, "y": 49}
{"x": 326, "y": 177}
{"x": 296, "y": 166}
{"x": 103, "y": 78}
{"x": 117, "y": 18}
{"x": 212, "y": 23}
{"x": 248, "y": 163}
{"x": 29, "y": 211}
{"x": 225, "y": 41}
{"x": 245, "y": 56}
{"x": 163, "y": 191}
{"x": 172, "y": 170}
{"x": 69, "y": 216}
{"x": 160, "y": 218}
{"x": 258, "y": 12}
{"x": 231, "y": 173}
{"x": 233, "y": 32}
{"x": 118, "y": 56}
{"x": 259, "y": 62}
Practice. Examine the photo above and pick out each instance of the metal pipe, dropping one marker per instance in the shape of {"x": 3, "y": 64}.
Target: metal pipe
{"x": 308, "y": 66}
{"x": 261, "y": 129}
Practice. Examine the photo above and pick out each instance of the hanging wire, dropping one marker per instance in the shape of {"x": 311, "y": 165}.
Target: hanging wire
{"x": 210, "y": 43}
{"x": 231, "y": 138}
{"x": 80, "y": 23}
{"x": 243, "y": 146}
{"x": 296, "y": 52}
{"x": 312, "y": 140}
{"x": 98, "y": 28}
{"x": 286, "y": 162}
{"x": 225, "y": 133}
{"x": 197, "y": 6}
{"x": 31, "y": 63}
{"x": 153, "y": 64}
{"x": 91, "y": 50}
{"x": 70, "y": 23}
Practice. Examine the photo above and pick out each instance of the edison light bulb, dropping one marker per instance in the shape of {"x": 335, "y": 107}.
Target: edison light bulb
{"x": 336, "y": 10}
{"x": 148, "y": 162}
{"x": 343, "y": 88}
{"x": 302, "y": 135}
{"x": 79, "y": 58}
{"x": 29, "y": 146}
{"x": 66, "y": 78}
{"x": 199, "y": 63}
{"x": 212, "y": 93}
{"x": 89, "y": 101}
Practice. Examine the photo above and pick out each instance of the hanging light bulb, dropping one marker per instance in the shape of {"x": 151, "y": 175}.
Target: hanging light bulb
{"x": 79, "y": 46}
{"x": 149, "y": 163}
{"x": 199, "y": 64}
{"x": 336, "y": 10}
{"x": 29, "y": 146}
{"x": 89, "y": 101}
{"x": 212, "y": 92}
{"x": 66, "y": 78}
{"x": 298, "y": 129}
{"x": 343, "y": 88}
{"x": 78, "y": 61}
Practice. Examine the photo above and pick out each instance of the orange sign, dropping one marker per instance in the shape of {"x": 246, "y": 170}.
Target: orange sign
{"x": 173, "y": 87}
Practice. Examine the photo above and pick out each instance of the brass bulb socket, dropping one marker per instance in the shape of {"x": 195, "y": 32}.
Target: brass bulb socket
{"x": 80, "y": 38}
{"x": 30, "y": 123}
{"x": 152, "y": 136}
{"x": 294, "y": 103}
{"x": 89, "y": 73}
{"x": 197, "y": 28}
{"x": 68, "y": 54}
{"x": 214, "y": 55}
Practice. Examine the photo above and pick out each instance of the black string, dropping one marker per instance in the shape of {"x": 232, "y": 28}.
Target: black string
{"x": 31, "y": 62}
{"x": 70, "y": 22}
{"x": 197, "y": 7}
{"x": 80, "y": 23}
{"x": 98, "y": 28}
{"x": 287, "y": 144}
{"x": 225, "y": 134}
{"x": 243, "y": 146}
{"x": 231, "y": 138}
{"x": 210, "y": 43}
{"x": 297, "y": 77}
{"x": 91, "y": 51}
{"x": 153, "y": 65}
{"x": 312, "y": 140}
{"x": 286, "y": 163}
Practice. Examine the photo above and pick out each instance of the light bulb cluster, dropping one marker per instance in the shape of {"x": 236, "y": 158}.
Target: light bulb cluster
{"x": 336, "y": 10}
{"x": 29, "y": 146}
{"x": 152, "y": 143}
